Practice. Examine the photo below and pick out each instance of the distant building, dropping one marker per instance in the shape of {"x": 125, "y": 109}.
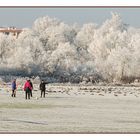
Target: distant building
{"x": 10, "y": 30}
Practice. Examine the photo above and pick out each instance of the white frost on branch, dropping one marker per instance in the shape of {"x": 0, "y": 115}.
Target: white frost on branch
{"x": 52, "y": 47}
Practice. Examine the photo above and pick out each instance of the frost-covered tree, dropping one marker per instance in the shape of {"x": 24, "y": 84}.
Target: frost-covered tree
{"x": 86, "y": 35}
{"x": 53, "y": 48}
{"x": 5, "y": 47}
{"x": 42, "y": 23}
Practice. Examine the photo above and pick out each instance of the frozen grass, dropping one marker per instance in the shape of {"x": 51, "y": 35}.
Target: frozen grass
{"x": 72, "y": 109}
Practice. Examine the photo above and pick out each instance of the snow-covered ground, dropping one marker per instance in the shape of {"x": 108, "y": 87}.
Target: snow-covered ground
{"x": 72, "y": 108}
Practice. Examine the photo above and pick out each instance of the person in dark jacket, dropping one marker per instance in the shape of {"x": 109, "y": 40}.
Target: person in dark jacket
{"x": 14, "y": 87}
{"x": 42, "y": 88}
{"x": 32, "y": 88}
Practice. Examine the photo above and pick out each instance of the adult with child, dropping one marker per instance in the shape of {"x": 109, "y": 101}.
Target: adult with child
{"x": 27, "y": 89}
{"x": 14, "y": 87}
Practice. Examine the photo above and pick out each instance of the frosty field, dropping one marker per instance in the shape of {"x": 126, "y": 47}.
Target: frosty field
{"x": 72, "y": 109}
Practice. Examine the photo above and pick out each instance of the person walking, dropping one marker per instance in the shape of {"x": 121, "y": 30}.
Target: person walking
{"x": 14, "y": 87}
{"x": 42, "y": 88}
{"x": 27, "y": 89}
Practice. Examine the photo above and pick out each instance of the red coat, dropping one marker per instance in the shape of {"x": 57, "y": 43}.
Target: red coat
{"x": 27, "y": 85}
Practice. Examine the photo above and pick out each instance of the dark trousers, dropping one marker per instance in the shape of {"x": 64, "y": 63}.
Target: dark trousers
{"x": 43, "y": 93}
{"x": 27, "y": 93}
{"x": 31, "y": 94}
{"x": 13, "y": 93}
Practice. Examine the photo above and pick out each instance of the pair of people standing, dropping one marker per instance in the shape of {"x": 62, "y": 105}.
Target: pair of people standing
{"x": 28, "y": 87}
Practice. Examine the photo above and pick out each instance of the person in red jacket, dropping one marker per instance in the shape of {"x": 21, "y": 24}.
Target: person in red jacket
{"x": 27, "y": 89}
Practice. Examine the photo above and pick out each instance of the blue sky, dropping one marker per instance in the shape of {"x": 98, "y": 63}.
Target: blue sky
{"x": 24, "y": 17}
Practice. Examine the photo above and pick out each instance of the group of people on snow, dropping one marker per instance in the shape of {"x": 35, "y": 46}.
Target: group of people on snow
{"x": 28, "y": 87}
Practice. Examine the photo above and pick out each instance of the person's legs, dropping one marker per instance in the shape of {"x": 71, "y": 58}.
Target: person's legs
{"x": 41, "y": 93}
{"x": 14, "y": 93}
{"x": 26, "y": 94}
{"x": 29, "y": 95}
{"x": 44, "y": 93}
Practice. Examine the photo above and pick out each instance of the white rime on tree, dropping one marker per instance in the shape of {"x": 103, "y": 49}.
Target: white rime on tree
{"x": 51, "y": 47}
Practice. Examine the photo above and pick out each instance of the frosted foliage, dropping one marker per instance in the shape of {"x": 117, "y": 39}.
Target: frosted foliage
{"x": 66, "y": 59}
{"x": 5, "y": 49}
{"x": 43, "y": 23}
{"x": 54, "y": 48}
{"x": 86, "y": 35}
